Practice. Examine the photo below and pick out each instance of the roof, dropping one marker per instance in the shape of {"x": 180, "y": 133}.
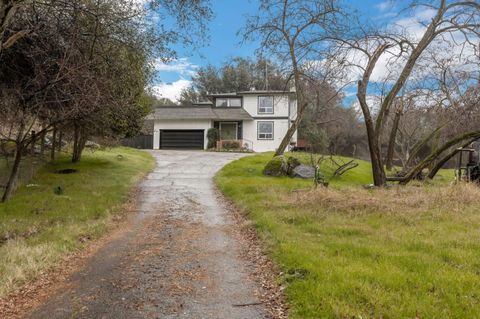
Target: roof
{"x": 232, "y": 113}
{"x": 229, "y": 94}
{"x": 234, "y": 94}
{"x": 265, "y": 92}
{"x": 198, "y": 113}
{"x": 204, "y": 103}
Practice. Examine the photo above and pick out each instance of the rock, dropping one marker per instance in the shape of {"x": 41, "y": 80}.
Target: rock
{"x": 292, "y": 163}
{"x": 304, "y": 171}
{"x": 276, "y": 167}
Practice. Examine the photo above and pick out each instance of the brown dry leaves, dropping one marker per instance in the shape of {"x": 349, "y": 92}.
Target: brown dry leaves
{"x": 264, "y": 270}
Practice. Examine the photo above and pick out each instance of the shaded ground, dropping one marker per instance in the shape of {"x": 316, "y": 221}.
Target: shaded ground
{"x": 179, "y": 260}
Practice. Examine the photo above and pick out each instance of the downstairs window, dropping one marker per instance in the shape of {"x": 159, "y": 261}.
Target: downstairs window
{"x": 265, "y": 130}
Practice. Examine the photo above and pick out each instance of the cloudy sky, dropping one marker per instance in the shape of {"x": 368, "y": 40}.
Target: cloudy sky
{"x": 225, "y": 43}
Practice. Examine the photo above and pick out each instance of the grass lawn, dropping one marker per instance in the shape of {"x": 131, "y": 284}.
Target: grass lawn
{"x": 348, "y": 252}
{"x": 38, "y": 227}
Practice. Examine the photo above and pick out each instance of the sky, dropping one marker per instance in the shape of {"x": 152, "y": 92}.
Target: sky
{"x": 224, "y": 42}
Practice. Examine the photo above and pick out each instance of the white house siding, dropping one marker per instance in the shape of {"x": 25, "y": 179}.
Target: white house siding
{"x": 180, "y": 125}
{"x": 283, "y": 110}
{"x": 250, "y": 134}
{"x": 280, "y": 105}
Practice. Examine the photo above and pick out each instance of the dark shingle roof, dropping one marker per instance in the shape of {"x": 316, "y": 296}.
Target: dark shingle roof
{"x": 231, "y": 114}
{"x": 198, "y": 113}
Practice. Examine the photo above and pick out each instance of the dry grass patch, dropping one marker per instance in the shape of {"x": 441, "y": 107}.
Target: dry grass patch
{"x": 454, "y": 198}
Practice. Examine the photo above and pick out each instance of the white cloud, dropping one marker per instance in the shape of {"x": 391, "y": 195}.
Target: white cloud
{"x": 415, "y": 25}
{"x": 171, "y": 90}
{"x": 182, "y": 66}
{"x": 385, "y": 5}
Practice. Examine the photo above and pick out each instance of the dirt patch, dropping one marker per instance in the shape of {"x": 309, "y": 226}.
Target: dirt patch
{"x": 66, "y": 171}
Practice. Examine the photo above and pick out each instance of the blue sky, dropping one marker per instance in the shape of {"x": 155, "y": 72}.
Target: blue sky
{"x": 225, "y": 43}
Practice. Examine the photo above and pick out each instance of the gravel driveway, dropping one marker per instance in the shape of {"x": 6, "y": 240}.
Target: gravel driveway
{"x": 180, "y": 259}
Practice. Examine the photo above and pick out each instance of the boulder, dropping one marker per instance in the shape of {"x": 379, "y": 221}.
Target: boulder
{"x": 304, "y": 171}
{"x": 276, "y": 167}
{"x": 292, "y": 163}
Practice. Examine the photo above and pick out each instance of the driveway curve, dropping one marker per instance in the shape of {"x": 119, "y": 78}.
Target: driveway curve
{"x": 180, "y": 259}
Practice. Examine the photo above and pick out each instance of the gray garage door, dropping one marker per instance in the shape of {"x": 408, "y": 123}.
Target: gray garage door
{"x": 181, "y": 139}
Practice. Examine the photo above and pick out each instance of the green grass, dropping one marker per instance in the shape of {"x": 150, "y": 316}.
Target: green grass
{"x": 38, "y": 227}
{"x": 348, "y": 252}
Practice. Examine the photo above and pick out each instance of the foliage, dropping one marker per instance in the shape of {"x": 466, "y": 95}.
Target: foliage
{"x": 213, "y": 136}
{"x": 238, "y": 74}
{"x": 83, "y": 67}
{"x": 38, "y": 228}
{"x": 230, "y": 145}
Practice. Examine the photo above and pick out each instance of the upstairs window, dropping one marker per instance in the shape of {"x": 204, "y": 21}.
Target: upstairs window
{"x": 265, "y": 105}
{"x": 235, "y": 102}
{"x": 221, "y": 102}
{"x": 265, "y": 130}
{"x": 228, "y": 102}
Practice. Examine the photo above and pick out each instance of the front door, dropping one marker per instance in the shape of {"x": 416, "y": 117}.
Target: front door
{"x": 228, "y": 131}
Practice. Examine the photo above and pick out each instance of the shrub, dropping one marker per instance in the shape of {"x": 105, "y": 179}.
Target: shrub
{"x": 231, "y": 145}
{"x": 213, "y": 137}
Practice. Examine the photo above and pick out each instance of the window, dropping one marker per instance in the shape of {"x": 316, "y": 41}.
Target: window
{"x": 265, "y": 130}
{"x": 221, "y": 102}
{"x": 265, "y": 105}
{"x": 235, "y": 102}
{"x": 228, "y": 102}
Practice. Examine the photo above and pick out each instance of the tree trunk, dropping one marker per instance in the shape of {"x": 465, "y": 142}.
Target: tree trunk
{"x": 13, "y": 174}
{"x": 42, "y": 142}
{"x": 79, "y": 140}
{"x": 378, "y": 171}
{"x": 291, "y": 131}
{"x": 54, "y": 140}
{"x": 76, "y": 137}
{"x": 60, "y": 141}
{"x": 33, "y": 142}
{"x": 392, "y": 140}
{"x": 434, "y": 170}
{"x": 470, "y": 136}
{"x": 77, "y": 154}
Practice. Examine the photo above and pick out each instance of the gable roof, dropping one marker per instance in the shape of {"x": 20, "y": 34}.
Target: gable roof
{"x": 198, "y": 113}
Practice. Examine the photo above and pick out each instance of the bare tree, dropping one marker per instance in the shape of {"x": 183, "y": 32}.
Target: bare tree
{"x": 450, "y": 19}
{"x": 295, "y": 32}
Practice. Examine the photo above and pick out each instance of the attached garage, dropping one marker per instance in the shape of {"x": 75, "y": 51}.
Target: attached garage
{"x": 182, "y": 139}
{"x": 182, "y": 127}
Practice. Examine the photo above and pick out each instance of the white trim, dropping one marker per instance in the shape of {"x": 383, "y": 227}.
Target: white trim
{"x": 265, "y": 138}
{"x": 236, "y": 128}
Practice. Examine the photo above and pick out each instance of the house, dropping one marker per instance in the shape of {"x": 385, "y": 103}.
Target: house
{"x": 258, "y": 119}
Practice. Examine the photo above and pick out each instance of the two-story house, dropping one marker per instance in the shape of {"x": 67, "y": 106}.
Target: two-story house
{"x": 259, "y": 119}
